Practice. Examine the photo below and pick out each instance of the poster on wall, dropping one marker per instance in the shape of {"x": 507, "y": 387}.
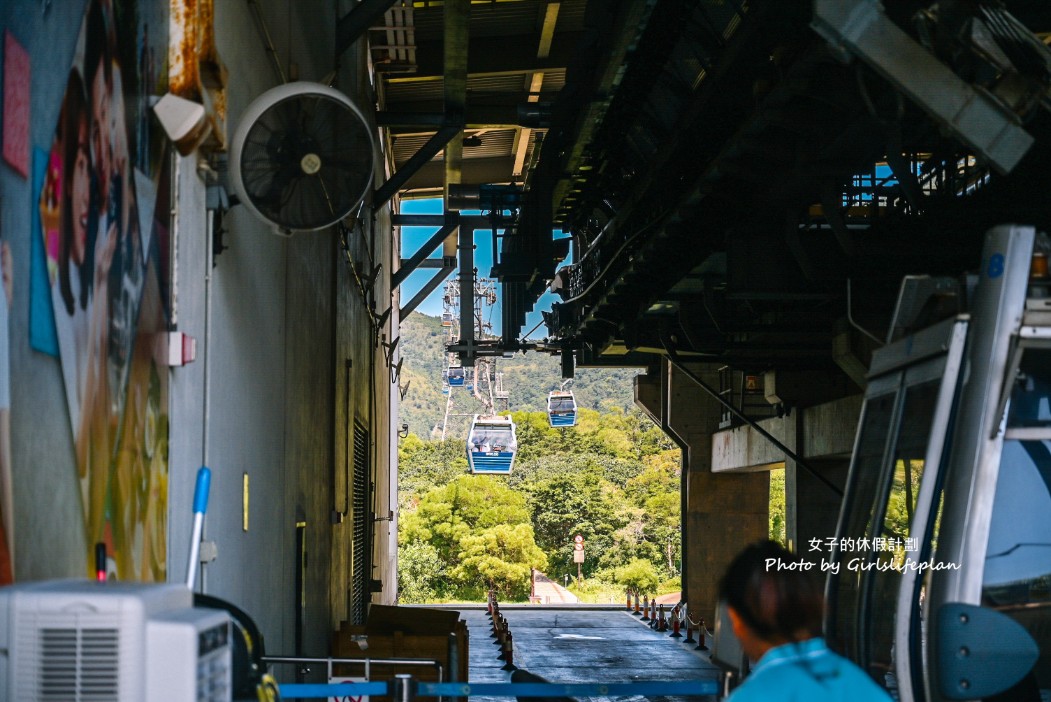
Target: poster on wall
{"x": 16, "y": 105}
{"x": 7, "y": 503}
{"x": 106, "y": 181}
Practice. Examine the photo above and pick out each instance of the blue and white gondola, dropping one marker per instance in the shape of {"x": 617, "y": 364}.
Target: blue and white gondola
{"x": 561, "y": 409}
{"x": 491, "y": 444}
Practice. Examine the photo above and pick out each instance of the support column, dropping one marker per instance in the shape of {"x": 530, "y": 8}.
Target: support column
{"x": 824, "y": 436}
{"x": 727, "y": 511}
{"x": 724, "y": 511}
{"x": 811, "y": 508}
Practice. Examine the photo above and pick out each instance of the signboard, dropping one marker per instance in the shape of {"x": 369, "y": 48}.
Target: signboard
{"x": 347, "y": 698}
{"x": 578, "y": 556}
{"x": 578, "y": 539}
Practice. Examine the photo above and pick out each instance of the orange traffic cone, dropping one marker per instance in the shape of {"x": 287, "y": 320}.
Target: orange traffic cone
{"x": 509, "y": 653}
{"x": 689, "y": 625}
{"x": 700, "y": 637}
{"x": 645, "y": 608}
{"x": 675, "y": 623}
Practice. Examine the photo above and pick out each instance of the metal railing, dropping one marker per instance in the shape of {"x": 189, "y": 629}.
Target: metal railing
{"x": 366, "y": 662}
{"x": 405, "y": 688}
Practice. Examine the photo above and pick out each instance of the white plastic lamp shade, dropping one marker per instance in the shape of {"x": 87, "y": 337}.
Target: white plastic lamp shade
{"x": 183, "y": 121}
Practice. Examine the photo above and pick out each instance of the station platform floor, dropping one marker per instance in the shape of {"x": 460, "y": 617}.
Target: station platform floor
{"x": 581, "y": 644}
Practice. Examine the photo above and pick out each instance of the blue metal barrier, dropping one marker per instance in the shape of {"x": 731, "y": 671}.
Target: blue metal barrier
{"x": 690, "y": 688}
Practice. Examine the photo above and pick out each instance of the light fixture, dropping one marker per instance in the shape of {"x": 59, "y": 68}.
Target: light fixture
{"x": 183, "y": 121}
{"x": 404, "y": 432}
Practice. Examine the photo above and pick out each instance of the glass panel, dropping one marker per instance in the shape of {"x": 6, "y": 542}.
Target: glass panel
{"x": 1017, "y": 576}
{"x": 893, "y": 547}
{"x": 862, "y": 493}
{"x": 489, "y": 437}
{"x": 561, "y": 404}
{"x": 1031, "y": 396}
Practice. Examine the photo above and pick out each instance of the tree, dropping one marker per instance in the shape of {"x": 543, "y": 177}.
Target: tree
{"x": 419, "y": 568}
{"x": 423, "y": 465}
{"x": 500, "y": 558}
{"x": 615, "y": 478}
{"x": 777, "y": 506}
{"x": 576, "y": 503}
{"x": 478, "y": 530}
{"x": 638, "y": 576}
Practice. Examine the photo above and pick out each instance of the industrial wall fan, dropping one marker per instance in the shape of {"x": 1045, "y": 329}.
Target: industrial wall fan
{"x": 302, "y": 157}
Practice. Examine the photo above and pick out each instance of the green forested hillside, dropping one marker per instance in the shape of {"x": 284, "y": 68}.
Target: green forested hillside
{"x": 614, "y": 479}
{"x": 528, "y": 377}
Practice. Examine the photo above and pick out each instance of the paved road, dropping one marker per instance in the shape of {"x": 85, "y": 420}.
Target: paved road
{"x": 584, "y": 646}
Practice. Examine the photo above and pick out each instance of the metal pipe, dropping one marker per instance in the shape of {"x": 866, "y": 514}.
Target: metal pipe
{"x": 403, "y": 688}
{"x": 677, "y": 362}
{"x": 367, "y": 662}
{"x": 199, "y": 533}
{"x": 268, "y": 42}
{"x": 850, "y": 318}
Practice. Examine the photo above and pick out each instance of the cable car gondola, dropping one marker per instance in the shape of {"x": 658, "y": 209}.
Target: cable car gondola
{"x": 491, "y": 444}
{"x": 447, "y": 319}
{"x": 457, "y": 376}
{"x": 952, "y": 472}
{"x": 561, "y": 408}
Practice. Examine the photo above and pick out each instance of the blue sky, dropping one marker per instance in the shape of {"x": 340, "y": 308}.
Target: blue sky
{"x": 412, "y": 238}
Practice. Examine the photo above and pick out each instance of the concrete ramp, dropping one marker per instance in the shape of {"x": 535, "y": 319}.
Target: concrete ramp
{"x": 547, "y": 591}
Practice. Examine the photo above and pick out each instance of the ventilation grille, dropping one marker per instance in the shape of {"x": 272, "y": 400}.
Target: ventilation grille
{"x": 360, "y": 506}
{"x": 80, "y": 665}
{"x": 563, "y": 420}
{"x": 494, "y": 462}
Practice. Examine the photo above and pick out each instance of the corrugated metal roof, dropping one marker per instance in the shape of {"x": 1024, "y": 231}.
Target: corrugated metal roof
{"x": 505, "y": 85}
{"x": 497, "y": 19}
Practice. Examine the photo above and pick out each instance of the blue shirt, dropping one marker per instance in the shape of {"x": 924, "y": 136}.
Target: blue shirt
{"x": 807, "y": 672}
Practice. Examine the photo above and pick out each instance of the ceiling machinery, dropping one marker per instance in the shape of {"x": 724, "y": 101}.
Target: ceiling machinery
{"x": 741, "y": 182}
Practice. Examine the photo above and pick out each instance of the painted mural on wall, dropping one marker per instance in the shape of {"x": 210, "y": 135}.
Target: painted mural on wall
{"x": 7, "y": 504}
{"x": 103, "y": 220}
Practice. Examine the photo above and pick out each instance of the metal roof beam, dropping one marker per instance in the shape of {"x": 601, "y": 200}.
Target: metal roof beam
{"x": 509, "y": 112}
{"x": 358, "y": 21}
{"x": 456, "y": 15}
{"x": 428, "y": 151}
{"x": 473, "y": 171}
{"x": 496, "y": 56}
{"x": 426, "y": 290}
{"x": 410, "y": 264}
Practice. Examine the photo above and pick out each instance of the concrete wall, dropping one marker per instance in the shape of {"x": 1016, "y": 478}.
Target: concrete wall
{"x": 49, "y": 533}
{"x": 726, "y": 486}
{"x": 723, "y": 512}
{"x": 271, "y": 395}
{"x": 823, "y": 436}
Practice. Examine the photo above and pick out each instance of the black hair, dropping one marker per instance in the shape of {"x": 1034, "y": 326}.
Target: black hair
{"x": 98, "y": 44}
{"x": 777, "y": 603}
{"x": 74, "y": 118}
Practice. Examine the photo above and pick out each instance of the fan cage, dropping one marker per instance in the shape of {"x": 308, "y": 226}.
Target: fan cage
{"x": 302, "y": 157}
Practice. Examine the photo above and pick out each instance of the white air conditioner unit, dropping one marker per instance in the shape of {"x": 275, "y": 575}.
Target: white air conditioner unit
{"x": 79, "y": 640}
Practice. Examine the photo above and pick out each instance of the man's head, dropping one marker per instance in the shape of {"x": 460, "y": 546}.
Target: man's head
{"x": 771, "y": 598}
